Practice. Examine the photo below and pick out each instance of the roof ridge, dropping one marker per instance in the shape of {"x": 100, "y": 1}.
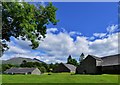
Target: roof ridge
{"x": 68, "y": 64}
{"x": 111, "y": 55}
{"x": 95, "y": 57}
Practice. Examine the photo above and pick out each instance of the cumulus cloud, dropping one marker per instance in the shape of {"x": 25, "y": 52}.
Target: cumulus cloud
{"x": 100, "y": 35}
{"x": 112, "y": 28}
{"x": 106, "y": 46}
{"x": 91, "y": 38}
{"x": 75, "y": 33}
{"x": 52, "y": 30}
{"x": 57, "y": 46}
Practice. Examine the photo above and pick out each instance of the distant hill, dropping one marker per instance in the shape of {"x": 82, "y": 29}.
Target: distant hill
{"x": 19, "y": 60}
{"x": 35, "y": 59}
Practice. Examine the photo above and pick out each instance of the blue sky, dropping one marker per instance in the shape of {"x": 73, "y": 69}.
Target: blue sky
{"x": 86, "y": 18}
{"x": 89, "y": 28}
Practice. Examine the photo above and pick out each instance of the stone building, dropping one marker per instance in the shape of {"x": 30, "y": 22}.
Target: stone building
{"x": 35, "y": 71}
{"x": 62, "y": 67}
{"x": 95, "y": 65}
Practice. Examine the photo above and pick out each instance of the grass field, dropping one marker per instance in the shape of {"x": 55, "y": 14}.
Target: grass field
{"x": 60, "y": 78}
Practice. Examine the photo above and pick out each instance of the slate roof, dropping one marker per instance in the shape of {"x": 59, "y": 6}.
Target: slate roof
{"x": 111, "y": 60}
{"x": 69, "y": 66}
{"x": 19, "y": 70}
{"x": 108, "y": 60}
{"x": 97, "y": 58}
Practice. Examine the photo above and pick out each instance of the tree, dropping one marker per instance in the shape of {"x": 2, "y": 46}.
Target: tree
{"x": 74, "y": 62}
{"x": 24, "y": 61}
{"x": 81, "y": 57}
{"x": 42, "y": 69}
{"x": 37, "y": 64}
{"x": 6, "y": 66}
{"x": 45, "y": 65}
{"x": 51, "y": 65}
{"x": 21, "y": 19}
{"x": 69, "y": 59}
{"x": 41, "y": 65}
{"x": 55, "y": 66}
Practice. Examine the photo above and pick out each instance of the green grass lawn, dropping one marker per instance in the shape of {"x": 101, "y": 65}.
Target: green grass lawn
{"x": 60, "y": 78}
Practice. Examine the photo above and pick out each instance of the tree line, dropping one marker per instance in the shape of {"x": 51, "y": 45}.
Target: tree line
{"x": 43, "y": 67}
{"x": 74, "y": 62}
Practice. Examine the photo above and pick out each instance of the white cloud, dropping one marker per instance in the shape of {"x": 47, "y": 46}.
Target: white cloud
{"x": 17, "y": 50}
{"x": 57, "y": 47}
{"x": 74, "y": 33}
{"x": 106, "y": 46}
{"x": 112, "y": 28}
{"x": 62, "y": 44}
{"x": 43, "y": 3}
{"x": 100, "y": 35}
{"x": 52, "y": 30}
{"x": 91, "y": 38}
{"x": 57, "y": 44}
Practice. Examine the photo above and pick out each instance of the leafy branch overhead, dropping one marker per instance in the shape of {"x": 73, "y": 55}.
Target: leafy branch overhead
{"x": 27, "y": 21}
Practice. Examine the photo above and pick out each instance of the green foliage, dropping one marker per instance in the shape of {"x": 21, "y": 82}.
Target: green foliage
{"x": 21, "y": 19}
{"x": 46, "y": 66}
{"x": 72, "y": 61}
{"x": 6, "y": 66}
{"x": 69, "y": 59}
{"x": 12, "y": 0}
{"x": 42, "y": 66}
{"x": 27, "y": 64}
{"x": 24, "y": 61}
{"x": 42, "y": 69}
{"x": 52, "y": 67}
